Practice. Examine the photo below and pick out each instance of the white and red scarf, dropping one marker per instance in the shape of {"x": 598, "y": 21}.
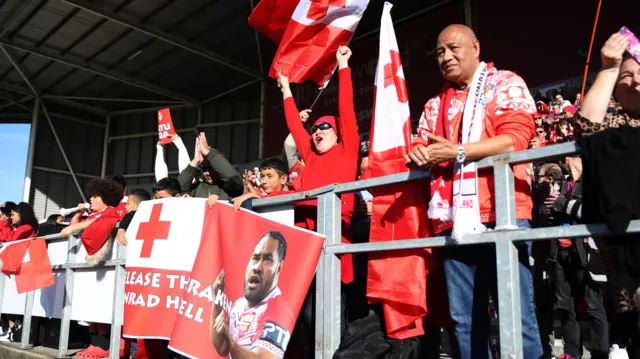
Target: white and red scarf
{"x": 457, "y": 201}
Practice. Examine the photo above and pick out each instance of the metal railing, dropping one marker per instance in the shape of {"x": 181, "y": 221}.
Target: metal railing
{"x": 69, "y": 268}
{"x": 328, "y": 283}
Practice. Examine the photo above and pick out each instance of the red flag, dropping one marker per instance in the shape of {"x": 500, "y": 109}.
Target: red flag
{"x": 270, "y": 17}
{"x": 165, "y": 126}
{"x": 33, "y": 272}
{"x": 309, "y": 44}
{"x": 399, "y": 278}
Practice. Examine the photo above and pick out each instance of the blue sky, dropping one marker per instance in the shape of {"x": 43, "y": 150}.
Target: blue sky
{"x": 14, "y": 141}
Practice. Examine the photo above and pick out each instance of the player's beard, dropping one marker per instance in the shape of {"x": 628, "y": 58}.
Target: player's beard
{"x": 254, "y": 297}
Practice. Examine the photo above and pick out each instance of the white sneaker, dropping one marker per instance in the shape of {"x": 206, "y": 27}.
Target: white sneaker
{"x": 618, "y": 353}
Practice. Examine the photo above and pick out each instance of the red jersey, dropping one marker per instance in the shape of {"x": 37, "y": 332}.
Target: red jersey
{"x": 9, "y": 234}
{"x": 121, "y": 208}
{"x": 266, "y": 326}
{"x": 95, "y": 236}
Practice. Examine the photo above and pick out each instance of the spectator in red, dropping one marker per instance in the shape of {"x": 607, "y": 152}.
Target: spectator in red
{"x": 97, "y": 238}
{"x": 23, "y": 223}
{"x": 540, "y": 140}
{"x": 562, "y": 132}
{"x": 330, "y": 152}
{"x": 500, "y": 120}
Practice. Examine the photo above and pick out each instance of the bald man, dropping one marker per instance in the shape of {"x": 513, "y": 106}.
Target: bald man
{"x": 481, "y": 112}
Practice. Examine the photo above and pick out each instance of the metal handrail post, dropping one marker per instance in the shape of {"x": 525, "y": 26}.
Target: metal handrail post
{"x": 67, "y": 300}
{"x": 507, "y": 265}
{"x": 2, "y": 284}
{"x": 26, "y": 320}
{"x": 118, "y": 303}
{"x": 330, "y": 225}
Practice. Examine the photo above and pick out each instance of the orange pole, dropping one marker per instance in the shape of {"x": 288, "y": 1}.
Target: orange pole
{"x": 593, "y": 37}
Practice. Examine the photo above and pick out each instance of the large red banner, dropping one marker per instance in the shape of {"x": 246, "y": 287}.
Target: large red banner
{"x": 199, "y": 275}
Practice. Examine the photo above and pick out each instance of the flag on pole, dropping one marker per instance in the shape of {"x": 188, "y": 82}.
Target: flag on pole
{"x": 29, "y": 260}
{"x": 315, "y": 31}
{"x": 398, "y": 279}
{"x": 270, "y": 17}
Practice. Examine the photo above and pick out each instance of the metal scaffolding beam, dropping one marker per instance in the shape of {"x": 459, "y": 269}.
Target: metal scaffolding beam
{"x": 64, "y": 154}
{"x": 108, "y": 99}
{"x": 96, "y": 69}
{"x": 163, "y": 36}
{"x": 19, "y": 70}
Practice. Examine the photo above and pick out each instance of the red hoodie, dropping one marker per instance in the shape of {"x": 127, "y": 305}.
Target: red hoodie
{"x": 9, "y": 234}
{"x": 338, "y": 165}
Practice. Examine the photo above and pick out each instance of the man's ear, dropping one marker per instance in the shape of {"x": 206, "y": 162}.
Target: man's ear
{"x": 284, "y": 179}
{"x": 476, "y": 49}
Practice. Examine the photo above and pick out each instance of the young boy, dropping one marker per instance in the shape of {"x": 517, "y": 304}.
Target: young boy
{"x": 274, "y": 180}
{"x": 133, "y": 202}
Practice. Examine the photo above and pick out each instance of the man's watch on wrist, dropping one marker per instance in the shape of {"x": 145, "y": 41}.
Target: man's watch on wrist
{"x": 460, "y": 154}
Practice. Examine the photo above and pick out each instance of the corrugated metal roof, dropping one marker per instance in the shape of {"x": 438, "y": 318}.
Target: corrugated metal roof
{"x": 160, "y": 51}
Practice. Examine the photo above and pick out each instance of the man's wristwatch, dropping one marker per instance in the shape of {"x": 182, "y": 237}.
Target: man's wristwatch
{"x": 460, "y": 155}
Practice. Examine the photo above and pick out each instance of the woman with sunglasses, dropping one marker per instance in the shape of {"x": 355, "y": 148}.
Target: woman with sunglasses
{"x": 330, "y": 152}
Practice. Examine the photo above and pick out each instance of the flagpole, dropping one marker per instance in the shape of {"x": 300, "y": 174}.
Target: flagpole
{"x": 593, "y": 36}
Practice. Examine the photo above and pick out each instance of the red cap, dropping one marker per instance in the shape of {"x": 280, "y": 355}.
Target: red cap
{"x": 570, "y": 109}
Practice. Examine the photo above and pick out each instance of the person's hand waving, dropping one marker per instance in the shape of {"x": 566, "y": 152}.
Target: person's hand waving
{"x": 613, "y": 51}
{"x": 204, "y": 145}
{"x": 283, "y": 83}
{"x": 304, "y": 115}
{"x": 342, "y": 56}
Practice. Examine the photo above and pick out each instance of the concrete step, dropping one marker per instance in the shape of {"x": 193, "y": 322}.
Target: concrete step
{"x": 10, "y": 350}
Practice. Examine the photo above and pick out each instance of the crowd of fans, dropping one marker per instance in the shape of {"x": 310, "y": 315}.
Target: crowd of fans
{"x": 571, "y": 280}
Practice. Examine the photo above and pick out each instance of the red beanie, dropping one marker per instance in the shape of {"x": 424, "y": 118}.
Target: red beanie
{"x": 328, "y": 119}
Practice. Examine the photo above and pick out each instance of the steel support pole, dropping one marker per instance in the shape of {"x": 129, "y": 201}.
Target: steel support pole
{"x": 26, "y": 320}
{"x": 329, "y": 296}
{"x": 508, "y": 276}
{"x": 105, "y": 147}
{"x": 118, "y": 303}
{"x": 67, "y": 300}
{"x": 199, "y": 121}
{"x": 468, "y": 13}
{"x": 64, "y": 154}
{"x": 32, "y": 148}
{"x": 263, "y": 90}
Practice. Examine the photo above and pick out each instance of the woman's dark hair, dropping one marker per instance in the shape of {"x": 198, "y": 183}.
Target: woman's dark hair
{"x": 27, "y": 216}
{"x": 7, "y": 212}
{"x": 110, "y": 191}
{"x": 10, "y": 205}
{"x": 53, "y": 219}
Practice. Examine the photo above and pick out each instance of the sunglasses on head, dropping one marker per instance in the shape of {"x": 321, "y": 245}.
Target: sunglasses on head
{"x": 322, "y": 126}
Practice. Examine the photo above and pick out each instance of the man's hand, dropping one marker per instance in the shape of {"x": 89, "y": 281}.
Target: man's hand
{"x": 613, "y": 50}
{"x": 221, "y": 324}
{"x": 440, "y": 150}
{"x": 342, "y": 56}
{"x": 81, "y": 207}
{"x": 204, "y": 145}
{"x": 304, "y": 115}
{"x": 283, "y": 83}
{"x": 211, "y": 201}
{"x": 237, "y": 202}
{"x": 121, "y": 237}
{"x": 197, "y": 154}
{"x": 418, "y": 156}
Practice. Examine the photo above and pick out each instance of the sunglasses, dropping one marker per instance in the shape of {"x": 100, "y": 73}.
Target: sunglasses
{"x": 321, "y": 126}
{"x": 539, "y": 132}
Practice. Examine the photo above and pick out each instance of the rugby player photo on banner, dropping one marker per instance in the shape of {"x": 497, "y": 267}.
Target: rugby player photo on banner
{"x": 225, "y": 283}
